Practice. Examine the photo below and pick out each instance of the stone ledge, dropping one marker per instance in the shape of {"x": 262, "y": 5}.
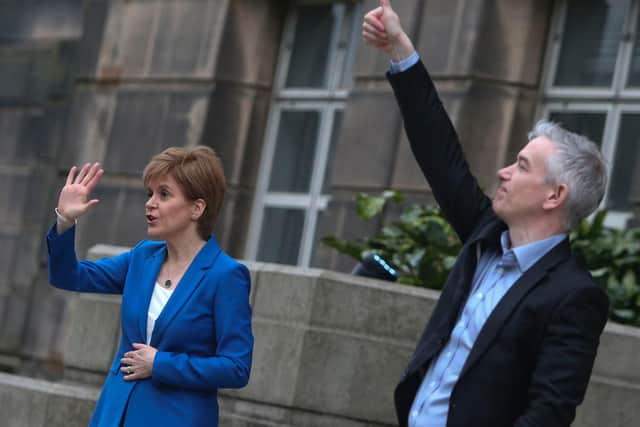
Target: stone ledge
{"x": 76, "y": 391}
{"x": 28, "y": 402}
{"x": 236, "y": 412}
{"x": 329, "y": 348}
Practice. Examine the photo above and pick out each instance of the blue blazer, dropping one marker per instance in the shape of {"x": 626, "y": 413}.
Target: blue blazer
{"x": 203, "y": 335}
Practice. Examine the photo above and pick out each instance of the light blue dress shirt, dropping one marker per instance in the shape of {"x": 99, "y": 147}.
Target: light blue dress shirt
{"x": 494, "y": 276}
{"x": 405, "y": 64}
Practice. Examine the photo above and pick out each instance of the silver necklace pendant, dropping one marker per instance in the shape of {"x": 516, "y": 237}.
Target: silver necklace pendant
{"x": 167, "y": 283}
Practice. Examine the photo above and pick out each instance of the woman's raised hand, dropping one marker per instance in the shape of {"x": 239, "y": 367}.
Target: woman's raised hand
{"x": 74, "y": 197}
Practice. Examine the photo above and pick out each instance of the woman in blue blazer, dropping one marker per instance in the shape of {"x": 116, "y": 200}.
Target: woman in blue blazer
{"x": 186, "y": 319}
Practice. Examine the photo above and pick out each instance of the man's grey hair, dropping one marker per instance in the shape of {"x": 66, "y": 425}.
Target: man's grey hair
{"x": 578, "y": 163}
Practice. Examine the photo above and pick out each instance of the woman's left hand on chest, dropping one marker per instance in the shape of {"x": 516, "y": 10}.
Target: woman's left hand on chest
{"x": 137, "y": 364}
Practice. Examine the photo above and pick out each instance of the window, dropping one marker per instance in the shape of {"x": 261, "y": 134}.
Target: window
{"x": 312, "y": 83}
{"x": 593, "y": 86}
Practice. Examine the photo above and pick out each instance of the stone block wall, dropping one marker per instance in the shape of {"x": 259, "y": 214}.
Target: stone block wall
{"x": 118, "y": 80}
{"x": 28, "y": 402}
{"x": 39, "y": 43}
{"x": 329, "y": 350}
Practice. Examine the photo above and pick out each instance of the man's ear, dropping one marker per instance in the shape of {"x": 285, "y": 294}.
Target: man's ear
{"x": 557, "y": 197}
{"x": 197, "y": 209}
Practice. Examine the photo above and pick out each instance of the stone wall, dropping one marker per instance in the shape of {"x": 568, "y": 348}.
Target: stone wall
{"x": 329, "y": 349}
{"x": 28, "y": 402}
{"x": 116, "y": 81}
{"x": 39, "y": 42}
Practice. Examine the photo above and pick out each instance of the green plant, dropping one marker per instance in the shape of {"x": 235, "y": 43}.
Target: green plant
{"x": 420, "y": 245}
{"x": 613, "y": 257}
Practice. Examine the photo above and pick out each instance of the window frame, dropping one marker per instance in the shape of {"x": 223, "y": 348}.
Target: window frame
{"x": 621, "y": 70}
{"x": 328, "y": 101}
{"x": 613, "y": 101}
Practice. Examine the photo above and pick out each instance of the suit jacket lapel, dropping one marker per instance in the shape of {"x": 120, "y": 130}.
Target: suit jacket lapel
{"x": 459, "y": 280}
{"x": 485, "y": 237}
{"x": 514, "y": 295}
{"x": 148, "y": 282}
{"x": 187, "y": 285}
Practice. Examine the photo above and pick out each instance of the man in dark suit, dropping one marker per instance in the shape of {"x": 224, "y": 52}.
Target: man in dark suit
{"x": 514, "y": 335}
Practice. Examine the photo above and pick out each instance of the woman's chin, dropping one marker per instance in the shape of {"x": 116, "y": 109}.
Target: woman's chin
{"x": 153, "y": 234}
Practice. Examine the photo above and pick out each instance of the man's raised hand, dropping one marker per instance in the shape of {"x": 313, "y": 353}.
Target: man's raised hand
{"x": 382, "y": 29}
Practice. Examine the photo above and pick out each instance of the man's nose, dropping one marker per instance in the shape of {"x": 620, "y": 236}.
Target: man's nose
{"x": 504, "y": 173}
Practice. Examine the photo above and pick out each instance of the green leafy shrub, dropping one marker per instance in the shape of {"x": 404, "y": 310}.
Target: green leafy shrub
{"x": 422, "y": 247}
{"x": 613, "y": 257}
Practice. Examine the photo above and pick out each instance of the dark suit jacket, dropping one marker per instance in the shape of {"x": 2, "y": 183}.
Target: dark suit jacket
{"x": 531, "y": 363}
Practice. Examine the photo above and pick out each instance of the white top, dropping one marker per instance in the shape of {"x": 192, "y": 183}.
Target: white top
{"x": 158, "y": 301}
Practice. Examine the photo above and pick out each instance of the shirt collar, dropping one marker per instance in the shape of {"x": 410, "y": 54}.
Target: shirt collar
{"x": 529, "y": 254}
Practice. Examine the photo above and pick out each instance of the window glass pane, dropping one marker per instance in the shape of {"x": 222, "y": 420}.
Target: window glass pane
{"x": 592, "y": 33}
{"x": 590, "y": 125}
{"x": 310, "y": 51}
{"x": 624, "y": 182}
{"x": 281, "y": 235}
{"x": 634, "y": 71}
{"x": 292, "y": 163}
{"x": 335, "y": 134}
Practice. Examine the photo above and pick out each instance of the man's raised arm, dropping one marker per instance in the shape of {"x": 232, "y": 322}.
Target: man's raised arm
{"x": 432, "y": 137}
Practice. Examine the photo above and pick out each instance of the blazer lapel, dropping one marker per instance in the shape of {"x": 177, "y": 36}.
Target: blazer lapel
{"x": 453, "y": 297}
{"x": 148, "y": 282}
{"x": 187, "y": 285}
{"x": 456, "y": 292}
{"x": 505, "y": 307}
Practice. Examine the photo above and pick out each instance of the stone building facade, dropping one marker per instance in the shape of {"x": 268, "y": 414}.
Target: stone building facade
{"x": 297, "y": 107}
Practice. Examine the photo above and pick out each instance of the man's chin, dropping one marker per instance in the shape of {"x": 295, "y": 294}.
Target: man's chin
{"x": 497, "y": 209}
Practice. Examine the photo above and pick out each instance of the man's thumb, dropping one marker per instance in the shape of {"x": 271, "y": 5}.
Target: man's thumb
{"x": 385, "y": 4}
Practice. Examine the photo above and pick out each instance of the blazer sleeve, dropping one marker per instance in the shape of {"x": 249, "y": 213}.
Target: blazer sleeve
{"x": 231, "y": 364}
{"x": 565, "y": 361}
{"x": 435, "y": 145}
{"x": 66, "y": 272}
